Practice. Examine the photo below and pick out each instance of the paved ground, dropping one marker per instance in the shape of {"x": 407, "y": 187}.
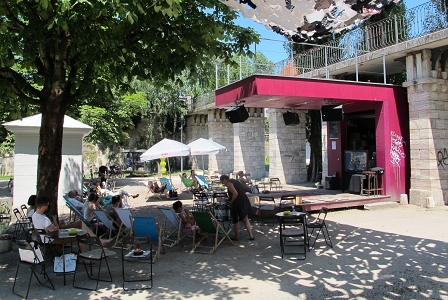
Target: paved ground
{"x": 394, "y": 253}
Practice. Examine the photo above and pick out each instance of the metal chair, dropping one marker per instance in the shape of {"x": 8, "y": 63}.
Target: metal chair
{"x": 94, "y": 253}
{"x": 265, "y": 206}
{"x": 22, "y": 225}
{"x": 287, "y": 202}
{"x": 30, "y": 257}
{"x": 200, "y": 201}
{"x": 274, "y": 183}
{"x": 319, "y": 223}
{"x": 136, "y": 243}
{"x": 293, "y": 233}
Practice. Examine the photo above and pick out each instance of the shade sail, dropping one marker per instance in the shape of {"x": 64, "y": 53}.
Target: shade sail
{"x": 203, "y": 147}
{"x": 166, "y": 148}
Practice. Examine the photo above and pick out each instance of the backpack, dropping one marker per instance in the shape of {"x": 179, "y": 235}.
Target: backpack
{"x": 173, "y": 193}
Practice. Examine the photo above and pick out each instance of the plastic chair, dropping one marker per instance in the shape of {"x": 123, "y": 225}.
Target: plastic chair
{"x": 147, "y": 226}
{"x": 265, "y": 206}
{"x": 319, "y": 223}
{"x": 94, "y": 253}
{"x": 30, "y": 257}
{"x": 133, "y": 243}
{"x": 209, "y": 226}
{"x": 177, "y": 230}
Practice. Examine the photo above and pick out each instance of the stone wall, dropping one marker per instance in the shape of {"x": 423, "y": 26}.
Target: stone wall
{"x": 428, "y": 121}
{"x": 287, "y": 148}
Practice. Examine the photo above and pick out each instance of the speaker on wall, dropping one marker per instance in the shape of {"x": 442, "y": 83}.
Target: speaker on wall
{"x": 291, "y": 118}
{"x": 332, "y": 113}
{"x": 237, "y": 114}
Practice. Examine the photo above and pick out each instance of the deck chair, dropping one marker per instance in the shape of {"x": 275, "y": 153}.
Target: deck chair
{"x": 111, "y": 225}
{"x": 147, "y": 226}
{"x": 125, "y": 215}
{"x": 187, "y": 187}
{"x": 158, "y": 194}
{"x": 176, "y": 232}
{"x": 202, "y": 181}
{"x": 78, "y": 215}
{"x": 209, "y": 226}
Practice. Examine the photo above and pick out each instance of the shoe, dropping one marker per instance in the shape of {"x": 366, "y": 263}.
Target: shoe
{"x": 135, "y": 196}
{"x": 251, "y": 239}
{"x": 234, "y": 238}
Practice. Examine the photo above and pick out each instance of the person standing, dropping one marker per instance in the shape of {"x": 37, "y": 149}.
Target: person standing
{"x": 239, "y": 205}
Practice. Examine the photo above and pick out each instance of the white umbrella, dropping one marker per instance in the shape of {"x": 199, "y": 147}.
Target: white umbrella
{"x": 204, "y": 147}
{"x": 166, "y": 148}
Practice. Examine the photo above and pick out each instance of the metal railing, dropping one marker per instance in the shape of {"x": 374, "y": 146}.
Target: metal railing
{"x": 413, "y": 23}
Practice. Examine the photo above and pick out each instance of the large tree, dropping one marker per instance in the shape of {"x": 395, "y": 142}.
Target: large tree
{"x": 61, "y": 53}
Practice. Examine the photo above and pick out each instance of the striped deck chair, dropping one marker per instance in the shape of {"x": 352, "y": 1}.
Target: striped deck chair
{"x": 209, "y": 227}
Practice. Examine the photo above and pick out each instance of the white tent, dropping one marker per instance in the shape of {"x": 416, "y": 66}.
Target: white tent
{"x": 204, "y": 147}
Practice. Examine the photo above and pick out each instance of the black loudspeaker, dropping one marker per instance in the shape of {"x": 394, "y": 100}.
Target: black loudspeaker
{"x": 332, "y": 113}
{"x": 237, "y": 114}
{"x": 291, "y": 118}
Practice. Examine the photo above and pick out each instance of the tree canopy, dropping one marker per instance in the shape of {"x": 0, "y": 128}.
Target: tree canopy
{"x": 71, "y": 53}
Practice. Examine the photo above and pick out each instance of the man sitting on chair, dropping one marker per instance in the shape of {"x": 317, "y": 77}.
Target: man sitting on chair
{"x": 188, "y": 182}
{"x": 155, "y": 188}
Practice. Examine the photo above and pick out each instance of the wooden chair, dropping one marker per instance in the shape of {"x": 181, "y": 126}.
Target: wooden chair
{"x": 148, "y": 226}
{"x": 176, "y": 232}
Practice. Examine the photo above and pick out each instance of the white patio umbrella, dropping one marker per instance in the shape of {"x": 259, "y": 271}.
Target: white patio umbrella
{"x": 204, "y": 147}
{"x": 164, "y": 149}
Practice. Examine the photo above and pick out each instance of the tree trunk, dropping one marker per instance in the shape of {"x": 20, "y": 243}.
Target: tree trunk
{"x": 50, "y": 152}
{"x": 314, "y": 137}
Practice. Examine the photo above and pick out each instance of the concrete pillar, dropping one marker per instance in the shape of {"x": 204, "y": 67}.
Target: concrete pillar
{"x": 249, "y": 141}
{"x": 428, "y": 120}
{"x": 287, "y": 148}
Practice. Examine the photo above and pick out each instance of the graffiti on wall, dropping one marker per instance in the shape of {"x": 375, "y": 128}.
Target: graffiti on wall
{"x": 396, "y": 148}
{"x": 442, "y": 158}
{"x": 397, "y": 154}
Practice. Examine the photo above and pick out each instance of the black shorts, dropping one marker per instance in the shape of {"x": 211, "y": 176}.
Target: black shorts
{"x": 240, "y": 211}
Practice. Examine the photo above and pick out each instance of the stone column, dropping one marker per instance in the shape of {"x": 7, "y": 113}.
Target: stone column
{"x": 428, "y": 121}
{"x": 197, "y": 128}
{"x": 249, "y": 150}
{"x": 287, "y": 148}
{"x": 220, "y": 130}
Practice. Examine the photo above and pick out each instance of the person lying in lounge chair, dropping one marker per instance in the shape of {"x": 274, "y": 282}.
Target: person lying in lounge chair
{"x": 155, "y": 188}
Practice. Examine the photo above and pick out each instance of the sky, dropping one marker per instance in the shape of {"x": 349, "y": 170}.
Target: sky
{"x": 271, "y": 44}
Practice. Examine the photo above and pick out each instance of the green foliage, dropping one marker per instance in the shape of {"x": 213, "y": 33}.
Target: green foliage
{"x": 7, "y": 146}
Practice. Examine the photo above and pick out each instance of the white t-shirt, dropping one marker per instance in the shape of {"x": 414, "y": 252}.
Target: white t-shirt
{"x": 41, "y": 222}
{"x": 75, "y": 202}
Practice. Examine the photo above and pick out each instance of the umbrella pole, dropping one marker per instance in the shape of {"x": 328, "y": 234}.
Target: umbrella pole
{"x": 169, "y": 169}
{"x": 202, "y": 164}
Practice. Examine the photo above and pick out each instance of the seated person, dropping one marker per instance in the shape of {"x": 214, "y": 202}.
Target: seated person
{"x": 155, "y": 188}
{"x": 193, "y": 176}
{"x": 89, "y": 215}
{"x": 116, "y": 202}
{"x": 242, "y": 177}
{"x": 188, "y": 182}
{"x": 41, "y": 221}
{"x": 185, "y": 216}
{"x": 31, "y": 206}
{"x": 71, "y": 197}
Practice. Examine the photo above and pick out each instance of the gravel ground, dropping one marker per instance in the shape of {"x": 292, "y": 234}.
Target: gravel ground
{"x": 393, "y": 253}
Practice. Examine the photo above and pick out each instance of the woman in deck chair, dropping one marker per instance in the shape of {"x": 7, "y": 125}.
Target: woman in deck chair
{"x": 156, "y": 189}
{"x": 185, "y": 216}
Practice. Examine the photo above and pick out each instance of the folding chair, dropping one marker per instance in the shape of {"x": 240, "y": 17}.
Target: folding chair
{"x": 293, "y": 233}
{"x": 111, "y": 225}
{"x": 22, "y": 225}
{"x": 274, "y": 183}
{"x": 169, "y": 186}
{"x": 158, "y": 194}
{"x": 142, "y": 243}
{"x": 287, "y": 202}
{"x": 30, "y": 257}
{"x": 91, "y": 255}
{"x": 147, "y": 226}
{"x": 78, "y": 215}
{"x": 200, "y": 201}
{"x": 202, "y": 181}
{"x": 209, "y": 225}
{"x": 265, "y": 207}
{"x": 177, "y": 230}
{"x": 319, "y": 223}
{"x": 125, "y": 215}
